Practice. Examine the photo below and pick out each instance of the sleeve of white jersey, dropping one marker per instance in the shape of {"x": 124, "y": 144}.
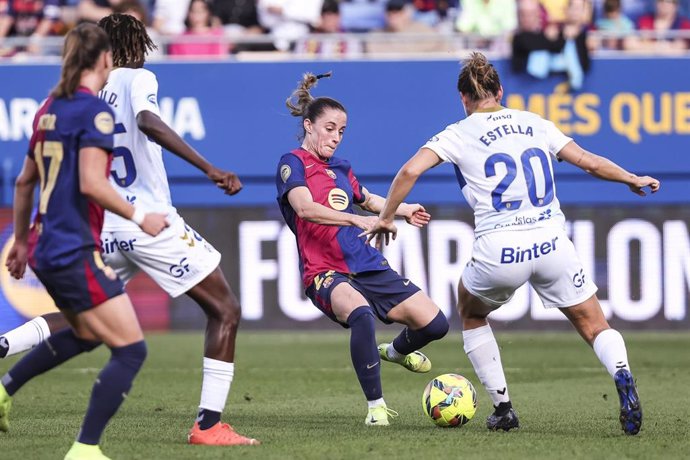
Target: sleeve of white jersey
{"x": 446, "y": 144}
{"x": 144, "y": 93}
{"x": 555, "y": 139}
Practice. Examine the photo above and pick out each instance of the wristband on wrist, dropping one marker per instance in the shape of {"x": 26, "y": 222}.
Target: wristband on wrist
{"x": 138, "y": 216}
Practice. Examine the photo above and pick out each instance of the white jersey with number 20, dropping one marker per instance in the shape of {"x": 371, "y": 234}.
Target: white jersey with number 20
{"x": 137, "y": 171}
{"x": 503, "y": 164}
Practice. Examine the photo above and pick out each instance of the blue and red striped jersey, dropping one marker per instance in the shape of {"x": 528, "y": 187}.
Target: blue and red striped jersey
{"x": 325, "y": 247}
{"x": 66, "y": 222}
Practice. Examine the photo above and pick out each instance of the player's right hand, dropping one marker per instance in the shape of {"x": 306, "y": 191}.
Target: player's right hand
{"x": 16, "y": 260}
{"x": 225, "y": 180}
{"x": 154, "y": 223}
{"x": 639, "y": 182}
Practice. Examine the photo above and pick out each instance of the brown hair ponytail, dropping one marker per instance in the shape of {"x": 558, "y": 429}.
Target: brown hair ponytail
{"x": 83, "y": 46}
{"x": 302, "y": 104}
{"x": 478, "y": 78}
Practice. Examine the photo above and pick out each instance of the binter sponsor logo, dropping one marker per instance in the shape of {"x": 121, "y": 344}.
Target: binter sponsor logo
{"x": 518, "y": 255}
{"x": 111, "y": 246}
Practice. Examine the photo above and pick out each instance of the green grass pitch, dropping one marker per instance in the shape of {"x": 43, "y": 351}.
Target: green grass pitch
{"x": 297, "y": 393}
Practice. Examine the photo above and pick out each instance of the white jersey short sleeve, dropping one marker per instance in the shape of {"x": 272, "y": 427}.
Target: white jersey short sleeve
{"x": 144, "y": 94}
{"x": 137, "y": 171}
{"x": 503, "y": 164}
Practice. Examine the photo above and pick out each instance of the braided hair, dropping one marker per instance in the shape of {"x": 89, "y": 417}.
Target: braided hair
{"x": 130, "y": 41}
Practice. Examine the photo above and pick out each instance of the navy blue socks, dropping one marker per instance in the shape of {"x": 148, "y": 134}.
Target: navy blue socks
{"x": 110, "y": 389}
{"x": 207, "y": 418}
{"x": 365, "y": 355}
{"x": 50, "y": 353}
{"x": 411, "y": 340}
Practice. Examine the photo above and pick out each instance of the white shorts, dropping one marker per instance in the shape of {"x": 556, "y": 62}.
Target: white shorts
{"x": 177, "y": 259}
{"x": 545, "y": 257}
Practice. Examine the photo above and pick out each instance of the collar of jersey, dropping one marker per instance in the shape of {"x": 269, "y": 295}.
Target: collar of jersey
{"x": 491, "y": 109}
{"x": 315, "y": 156}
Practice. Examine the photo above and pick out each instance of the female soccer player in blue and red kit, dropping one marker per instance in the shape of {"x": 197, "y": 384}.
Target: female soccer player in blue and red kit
{"x": 343, "y": 276}
{"x": 69, "y": 157}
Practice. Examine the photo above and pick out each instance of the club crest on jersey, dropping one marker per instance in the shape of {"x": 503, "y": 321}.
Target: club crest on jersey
{"x": 104, "y": 123}
{"x": 285, "y": 172}
{"x": 331, "y": 174}
{"x": 338, "y": 199}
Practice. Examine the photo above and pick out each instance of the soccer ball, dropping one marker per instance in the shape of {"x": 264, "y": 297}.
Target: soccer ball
{"x": 449, "y": 400}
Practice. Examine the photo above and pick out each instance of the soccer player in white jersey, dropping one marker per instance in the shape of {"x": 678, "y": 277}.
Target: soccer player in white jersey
{"x": 178, "y": 259}
{"x": 502, "y": 159}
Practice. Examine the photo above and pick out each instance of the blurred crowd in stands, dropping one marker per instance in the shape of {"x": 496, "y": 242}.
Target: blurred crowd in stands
{"x": 545, "y": 35}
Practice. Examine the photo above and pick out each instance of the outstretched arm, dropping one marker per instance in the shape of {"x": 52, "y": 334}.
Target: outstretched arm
{"x": 150, "y": 124}
{"x": 603, "y": 168}
{"x": 303, "y": 203}
{"x": 414, "y": 214}
{"x": 421, "y": 162}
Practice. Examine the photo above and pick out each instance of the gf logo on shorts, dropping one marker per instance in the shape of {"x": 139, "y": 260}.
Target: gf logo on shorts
{"x": 181, "y": 269}
{"x": 579, "y": 278}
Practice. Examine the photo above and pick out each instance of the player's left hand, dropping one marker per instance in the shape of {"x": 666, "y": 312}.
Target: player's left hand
{"x": 639, "y": 182}
{"x": 16, "y": 260}
{"x": 225, "y": 180}
{"x": 416, "y": 215}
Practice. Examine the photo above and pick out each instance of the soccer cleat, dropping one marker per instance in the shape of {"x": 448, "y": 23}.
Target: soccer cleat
{"x": 505, "y": 422}
{"x": 80, "y": 451}
{"x": 378, "y": 415}
{"x": 415, "y": 361}
{"x": 631, "y": 410}
{"x": 5, "y": 406}
{"x": 4, "y": 347}
{"x": 220, "y": 434}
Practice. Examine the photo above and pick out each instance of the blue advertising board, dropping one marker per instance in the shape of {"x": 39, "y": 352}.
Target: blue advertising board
{"x": 634, "y": 111}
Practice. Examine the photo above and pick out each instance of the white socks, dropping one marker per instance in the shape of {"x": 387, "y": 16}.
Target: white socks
{"x": 482, "y": 350}
{"x": 216, "y": 384}
{"x": 376, "y": 402}
{"x": 393, "y": 354}
{"x": 27, "y": 336}
{"x": 610, "y": 349}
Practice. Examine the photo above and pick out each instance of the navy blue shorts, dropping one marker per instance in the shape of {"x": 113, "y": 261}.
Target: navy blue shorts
{"x": 82, "y": 285}
{"x": 383, "y": 290}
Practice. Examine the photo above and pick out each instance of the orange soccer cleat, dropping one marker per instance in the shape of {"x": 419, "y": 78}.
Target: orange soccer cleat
{"x": 220, "y": 434}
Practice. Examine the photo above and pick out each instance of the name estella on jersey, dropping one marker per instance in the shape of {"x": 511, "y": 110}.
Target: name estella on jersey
{"x": 517, "y": 255}
{"x": 505, "y": 130}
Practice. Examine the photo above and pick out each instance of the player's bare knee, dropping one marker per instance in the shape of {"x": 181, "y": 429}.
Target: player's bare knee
{"x": 228, "y": 312}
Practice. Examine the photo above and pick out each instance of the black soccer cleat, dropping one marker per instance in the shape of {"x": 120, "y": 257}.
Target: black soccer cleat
{"x": 4, "y": 347}
{"x": 631, "y": 410}
{"x": 504, "y": 418}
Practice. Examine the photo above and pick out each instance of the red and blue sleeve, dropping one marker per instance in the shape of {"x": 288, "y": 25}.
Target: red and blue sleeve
{"x": 98, "y": 127}
{"x": 290, "y": 174}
